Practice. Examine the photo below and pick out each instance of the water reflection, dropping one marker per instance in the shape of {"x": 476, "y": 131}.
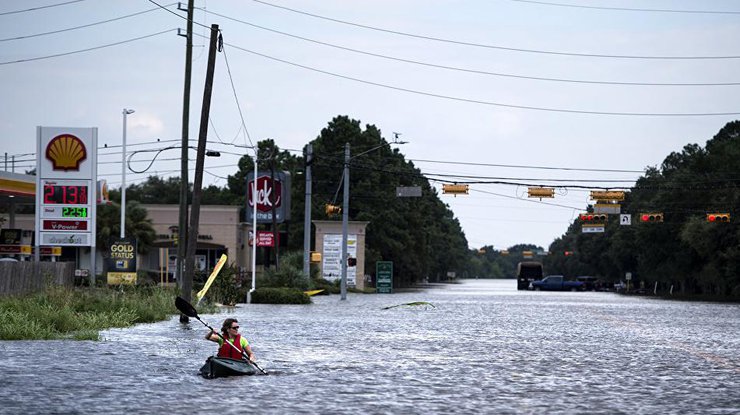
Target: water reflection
{"x": 485, "y": 348}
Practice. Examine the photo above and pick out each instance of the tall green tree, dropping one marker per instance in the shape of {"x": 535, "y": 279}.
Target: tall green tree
{"x": 138, "y": 225}
{"x": 684, "y": 251}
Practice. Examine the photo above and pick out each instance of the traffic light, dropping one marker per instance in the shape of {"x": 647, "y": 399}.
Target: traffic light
{"x": 651, "y": 217}
{"x": 593, "y": 217}
{"x": 568, "y": 253}
{"x": 718, "y": 217}
{"x": 333, "y": 210}
{"x": 351, "y": 262}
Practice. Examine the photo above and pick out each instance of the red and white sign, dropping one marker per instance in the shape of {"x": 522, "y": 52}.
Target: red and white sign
{"x": 265, "y": 191}
{"x": 65, "y": 225}
{"x": 265, "y": 238}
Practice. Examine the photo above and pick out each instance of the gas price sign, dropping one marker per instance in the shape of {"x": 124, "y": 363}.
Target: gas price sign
{"x": 74, "y": 212}
{"x": 65, "y": 195}
{"x": 66, "y": 207}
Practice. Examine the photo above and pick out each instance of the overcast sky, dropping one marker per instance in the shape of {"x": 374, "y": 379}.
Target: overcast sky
{"x": 497, "y": 90}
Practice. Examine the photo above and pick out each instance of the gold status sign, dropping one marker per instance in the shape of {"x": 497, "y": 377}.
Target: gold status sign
{"x": 121, "y": 261}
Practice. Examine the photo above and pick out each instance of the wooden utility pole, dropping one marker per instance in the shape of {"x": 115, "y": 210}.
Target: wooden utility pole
{"x": 182, "y": 225}
{"x": 187, "y": 284}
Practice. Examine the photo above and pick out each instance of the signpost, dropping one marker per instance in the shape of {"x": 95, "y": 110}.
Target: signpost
{"x": 384, "y": 277}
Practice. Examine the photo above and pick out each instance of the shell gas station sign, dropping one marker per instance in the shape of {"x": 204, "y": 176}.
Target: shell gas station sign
{"x": 66, "y": 186}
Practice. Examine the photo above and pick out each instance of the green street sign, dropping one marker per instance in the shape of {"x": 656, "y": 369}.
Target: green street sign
{"x": 384, "y": 277}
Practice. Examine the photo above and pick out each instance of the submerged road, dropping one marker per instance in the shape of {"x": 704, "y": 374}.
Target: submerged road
{"x": 483, "y": 348}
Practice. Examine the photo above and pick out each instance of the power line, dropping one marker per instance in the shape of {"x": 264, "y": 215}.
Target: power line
{"x": 476, "y": 71}
{"x": 629, "y": 9}
{"x": 86, "y": 50}
{"x": 525, "y": 166}
{"x": 33, "y": 9}
{"x": 182, "y": 17}
{"x": 82, "y": 26}
{"x": 491, "y": 103}
{"x": 479, "y": 45}
{"x": 236, "y": 98}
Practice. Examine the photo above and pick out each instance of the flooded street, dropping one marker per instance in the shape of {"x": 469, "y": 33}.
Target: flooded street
{"x": 483, "y": 348}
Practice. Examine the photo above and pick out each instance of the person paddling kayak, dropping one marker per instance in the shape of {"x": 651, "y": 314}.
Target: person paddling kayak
{"x": 230, "y": 332}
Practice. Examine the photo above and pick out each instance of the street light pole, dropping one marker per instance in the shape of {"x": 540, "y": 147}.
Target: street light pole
{"x": 123, "y": 174}
{"x": 345, "y": 222}
{"x": 254, "y": 230}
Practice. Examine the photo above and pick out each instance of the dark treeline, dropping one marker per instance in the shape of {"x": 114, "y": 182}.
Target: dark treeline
{"x": 420, "y": 234}
{"x": 685, "y": 251}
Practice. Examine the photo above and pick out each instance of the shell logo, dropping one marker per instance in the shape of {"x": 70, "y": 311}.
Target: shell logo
{"x": 66, "y": 152}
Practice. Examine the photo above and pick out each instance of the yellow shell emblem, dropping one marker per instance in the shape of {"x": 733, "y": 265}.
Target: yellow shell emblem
{"x": 66, "y": 152}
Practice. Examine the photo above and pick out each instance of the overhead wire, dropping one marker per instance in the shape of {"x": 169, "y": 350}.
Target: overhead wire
{"x": 491, "y": 103}
{"x": 236, "y": 99}
{"x": 480, "y": 45}
{"x": 477, "y": 71}
{"x": 57, "y": 55}
{"x": 82, "y": 26}
{"x": 33, "y": 9}
{"x": 628, "y": 9}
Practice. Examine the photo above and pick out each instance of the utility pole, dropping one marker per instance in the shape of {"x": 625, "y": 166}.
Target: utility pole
{"x": 345, "y": 222}
{"x": 183, "y": 220}
{"x": 307, "y": 215}
{"x": 187, "y": 284}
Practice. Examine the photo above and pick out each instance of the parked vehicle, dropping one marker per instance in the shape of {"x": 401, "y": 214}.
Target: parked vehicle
{"x": 590, "y": 283}
{"x": 526, "y": 273}
{"x": 557, "y": 283}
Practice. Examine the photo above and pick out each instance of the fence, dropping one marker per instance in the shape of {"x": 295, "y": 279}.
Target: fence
{"x": 25, "y": 277}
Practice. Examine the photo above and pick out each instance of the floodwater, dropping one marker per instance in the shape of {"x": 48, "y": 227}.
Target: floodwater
{"x": 483, "y": 348}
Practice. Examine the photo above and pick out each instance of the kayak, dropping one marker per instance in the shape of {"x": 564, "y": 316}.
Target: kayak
{"x": 218, "y": 367}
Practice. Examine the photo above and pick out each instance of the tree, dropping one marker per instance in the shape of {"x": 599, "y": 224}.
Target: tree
{"x": 137, "y": 225}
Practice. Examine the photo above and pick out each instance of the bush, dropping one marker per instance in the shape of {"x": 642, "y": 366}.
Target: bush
{"x": 290, "y": 274}
{"x": 280, "y": 296}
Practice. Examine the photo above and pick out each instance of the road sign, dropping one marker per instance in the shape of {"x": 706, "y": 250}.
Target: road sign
{"x": 384, "y": 277}
{"x": 625, "y": 219}
{"x": 408, "y": 191}
{"x": 592, "y": 228}
{"x": 607, "y": 208}
{"x": 607, "y": 195}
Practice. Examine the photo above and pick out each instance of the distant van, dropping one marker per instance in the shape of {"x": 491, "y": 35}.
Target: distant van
{"x": 526, "y": 272}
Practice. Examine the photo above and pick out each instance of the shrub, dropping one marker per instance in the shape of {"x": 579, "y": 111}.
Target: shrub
{"x": 290, "y": 274}
{"x": 279, "y": 296}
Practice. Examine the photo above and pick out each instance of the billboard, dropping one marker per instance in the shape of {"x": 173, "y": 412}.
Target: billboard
{"x": 269, "y": 195}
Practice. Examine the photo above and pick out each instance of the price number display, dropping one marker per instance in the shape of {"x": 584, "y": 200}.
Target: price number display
{"x": 74, "y": 212}
{"x": 65, "y": 195}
